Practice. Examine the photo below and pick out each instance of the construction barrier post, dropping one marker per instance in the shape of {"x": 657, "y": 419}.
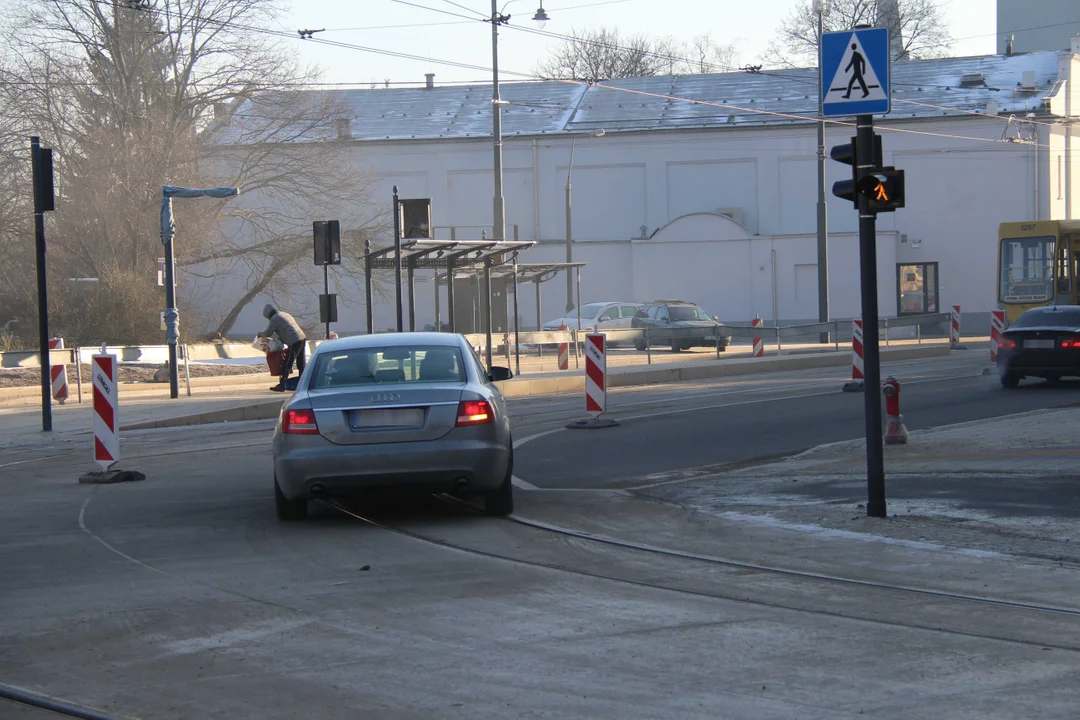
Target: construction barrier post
{"x": 997, "y": 326}
{"x": 58, "y": 373}
{"x": 857, "y": 378}
{"x": 954, "y": 327}
{"x": 564, "y": 351}
{"x": 103, "y": 370}
{"x": 759, "y": 342}
{"x": 595, "y": 384}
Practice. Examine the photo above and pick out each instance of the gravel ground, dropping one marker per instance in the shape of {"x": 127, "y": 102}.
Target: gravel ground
{"x": 28, "y": 377}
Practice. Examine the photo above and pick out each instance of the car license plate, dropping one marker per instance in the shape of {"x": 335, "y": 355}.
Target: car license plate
{"x": 388, "y": 417}
{"x": 1038, "y": 343}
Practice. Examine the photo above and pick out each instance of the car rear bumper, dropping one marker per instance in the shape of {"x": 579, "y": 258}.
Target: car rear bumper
{"x": 1039, "y": 366}
{"x": 343, "y": 470}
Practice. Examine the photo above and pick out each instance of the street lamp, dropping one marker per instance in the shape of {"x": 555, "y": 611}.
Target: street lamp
{"x": 822, "y": 8}
{"x": 541, "y": 17}
{"x": 498, "y": 230}
{"x": 599, "y": 132}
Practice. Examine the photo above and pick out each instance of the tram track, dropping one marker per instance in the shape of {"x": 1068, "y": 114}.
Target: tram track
{"x": 738, "y": 589}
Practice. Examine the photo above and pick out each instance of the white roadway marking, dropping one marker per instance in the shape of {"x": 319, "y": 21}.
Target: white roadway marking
{"x": 106, "y": 545}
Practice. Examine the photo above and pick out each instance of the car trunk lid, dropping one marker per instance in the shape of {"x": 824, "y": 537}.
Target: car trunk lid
{"x": 389, "y": 414}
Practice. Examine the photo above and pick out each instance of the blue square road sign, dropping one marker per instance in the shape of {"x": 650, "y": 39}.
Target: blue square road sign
{"x": 855, "y": 72}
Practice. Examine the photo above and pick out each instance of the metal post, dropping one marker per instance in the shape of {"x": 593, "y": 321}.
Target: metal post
{"x": 487, "y": 310}
{"x": 326, "y": 291}
{"x": 577, "y": 338}
{"x": 187, "y": 371}
{"x": 499, "y": 227}
{"x": 506, "y": 312}
{"x": 170, "y": 304}
{"x": 43, "y": 294}
{"x": 517, "y": 323}
{"x": 397, "y": 259}
{"x": 450, "y": 294}
{"x": 539, "y": 321}
{"x": 822, "y": 207}
{"x": 875, "y": 456}
{"x": 648, "y": 347}
{"x": 438, "y": 311}
{"x": 78, "y": 370}
{"x": 569, "y": 235}
{"x": 367, "y": 286}
{"x": 411, "y": 263}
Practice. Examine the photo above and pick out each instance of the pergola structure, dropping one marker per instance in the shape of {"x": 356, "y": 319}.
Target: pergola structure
{"x": 453, "y": 259}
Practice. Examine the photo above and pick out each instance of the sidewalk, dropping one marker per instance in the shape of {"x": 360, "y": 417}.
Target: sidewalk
{"x": 1007, "y": 485}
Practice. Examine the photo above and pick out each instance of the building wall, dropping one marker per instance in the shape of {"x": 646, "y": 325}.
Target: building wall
{"x": 1042, "y": 25}
{"x": 961, "y": 182}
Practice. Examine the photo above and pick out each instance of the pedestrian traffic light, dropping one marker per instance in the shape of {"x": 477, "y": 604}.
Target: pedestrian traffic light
{"x": 884, "y": 189}
{"x": 847, "y": 154}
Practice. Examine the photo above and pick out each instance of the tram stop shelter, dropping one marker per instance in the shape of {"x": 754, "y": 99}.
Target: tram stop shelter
{"x": 489, "y": 267}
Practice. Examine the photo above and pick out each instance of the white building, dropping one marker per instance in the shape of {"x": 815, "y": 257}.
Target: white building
{"x": 705, "y": 187}
{"x": 1031, "y": 26}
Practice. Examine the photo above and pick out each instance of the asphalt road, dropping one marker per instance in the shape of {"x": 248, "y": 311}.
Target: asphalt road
{"x": 716, "y": 425}
{"x": 182, "y": 597}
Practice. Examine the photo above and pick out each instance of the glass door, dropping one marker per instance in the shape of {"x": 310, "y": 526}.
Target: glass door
{"x": 917, "y": 288}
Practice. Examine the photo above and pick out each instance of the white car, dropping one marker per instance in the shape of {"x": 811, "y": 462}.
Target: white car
{"x": 597, "y": 316}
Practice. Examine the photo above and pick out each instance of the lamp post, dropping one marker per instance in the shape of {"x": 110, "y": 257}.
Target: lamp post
{"x": 820, "y": 8}
{"x": 498, "y": 230}
{"x": 569, "y": 225}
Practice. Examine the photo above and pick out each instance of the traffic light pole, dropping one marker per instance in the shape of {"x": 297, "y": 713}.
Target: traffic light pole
{"x": 875, "y": 453}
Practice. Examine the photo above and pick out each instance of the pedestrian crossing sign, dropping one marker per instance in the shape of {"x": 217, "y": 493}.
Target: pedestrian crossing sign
{"x": 855, "y": 72}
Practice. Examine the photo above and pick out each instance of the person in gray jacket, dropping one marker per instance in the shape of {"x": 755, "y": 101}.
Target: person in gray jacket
{"x": 292, "y": 336}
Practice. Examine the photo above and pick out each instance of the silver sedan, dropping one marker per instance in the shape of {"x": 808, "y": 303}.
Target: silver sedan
{"x": 403, "y": 411}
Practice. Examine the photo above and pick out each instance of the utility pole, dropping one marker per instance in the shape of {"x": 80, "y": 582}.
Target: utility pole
{"x": 42, "y": 165}
{"x": 822, "y": 207}
{"x": 498, "y": 230}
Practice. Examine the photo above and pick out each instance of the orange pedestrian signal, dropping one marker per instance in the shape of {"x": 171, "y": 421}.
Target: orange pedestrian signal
{"x": 881, "y": 194}
{"x": 883, "y": 189}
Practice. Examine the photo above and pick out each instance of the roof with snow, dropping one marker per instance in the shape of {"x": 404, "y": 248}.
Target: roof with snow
{"x": 920, "y": 89}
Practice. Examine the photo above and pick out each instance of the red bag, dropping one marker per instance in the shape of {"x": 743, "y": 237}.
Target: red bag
{"x": 276, "y": 361}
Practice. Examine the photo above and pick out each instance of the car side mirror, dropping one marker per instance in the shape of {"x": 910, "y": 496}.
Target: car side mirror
{"x": 717, "y": 319}
{"x": 667, "y": 320}
{"x": 499, "y": 374}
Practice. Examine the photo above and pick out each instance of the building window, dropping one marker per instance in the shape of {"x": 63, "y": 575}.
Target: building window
{"x": 917, "y": 288}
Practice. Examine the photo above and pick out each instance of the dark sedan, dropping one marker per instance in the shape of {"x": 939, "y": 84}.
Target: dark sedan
{"x": 1044, "y": 342}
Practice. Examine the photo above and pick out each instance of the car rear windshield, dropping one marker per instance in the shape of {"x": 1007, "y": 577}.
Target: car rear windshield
{"x": 1063, "y": 319}
{"x": 370, "y": 366}
{"x": 692, "y": 312}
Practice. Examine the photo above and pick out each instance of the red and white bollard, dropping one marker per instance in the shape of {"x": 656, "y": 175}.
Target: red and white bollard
{"x": 103, "y": 369}
{"x": 759, "y": 342}
{"x": 595, "y": 385}
{"x": 564, "y": 351}
{"x": 997, "y": 326}
{"x": 895, "y": 432}
{"x": 954, "y": 327}
{"x": 58, "y": 373}
{"x": 857, "y": 377}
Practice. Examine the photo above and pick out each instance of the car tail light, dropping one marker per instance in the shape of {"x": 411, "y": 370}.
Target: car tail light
{"x": 299, "y": 422}
{"x": 474, "y": 412}
{"x": 1073, "y": 342}
{"x": 1006, "y": 344}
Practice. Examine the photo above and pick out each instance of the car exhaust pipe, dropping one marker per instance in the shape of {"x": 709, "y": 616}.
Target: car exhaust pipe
{"x": 317, "y": 490}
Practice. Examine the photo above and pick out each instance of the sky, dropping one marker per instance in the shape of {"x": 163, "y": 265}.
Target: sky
{"x": 435, "y": 31}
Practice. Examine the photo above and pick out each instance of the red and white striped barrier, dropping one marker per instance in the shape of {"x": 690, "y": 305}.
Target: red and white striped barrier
{"x": 759, "y": 342}
{"x": 58, "y": 373}
{"x": 596, "y": 374}
{"x": 857, "y": 350}
{"x": 997, "y": 326}
{"x": 564, "y": 352}
{"x": 954, "y": 328}
{"x": 106, "y": 411}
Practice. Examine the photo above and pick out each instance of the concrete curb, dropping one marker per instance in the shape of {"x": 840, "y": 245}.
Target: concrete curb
{"x": 617, "y": 377}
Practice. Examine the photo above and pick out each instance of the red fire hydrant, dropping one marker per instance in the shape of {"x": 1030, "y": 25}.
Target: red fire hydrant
{"x": 895, "y": 432}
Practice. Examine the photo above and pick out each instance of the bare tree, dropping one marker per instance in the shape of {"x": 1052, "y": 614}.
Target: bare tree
{"x": 136, "y": 94}
{"x": 916, "y": 28}
{"x": 603, "y": 54}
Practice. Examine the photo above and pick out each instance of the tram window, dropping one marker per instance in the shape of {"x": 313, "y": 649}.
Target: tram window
{"x": 1064, "y": 280}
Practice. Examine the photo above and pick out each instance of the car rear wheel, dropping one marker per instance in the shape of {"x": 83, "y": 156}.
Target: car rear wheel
{"x": 639, "y": 345}
{"x": 500, "y": 501}
{"x": 288, "y": 510}
{"x": 1010, "y": 380}
{"x": 676, "y": 346}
